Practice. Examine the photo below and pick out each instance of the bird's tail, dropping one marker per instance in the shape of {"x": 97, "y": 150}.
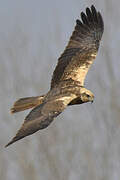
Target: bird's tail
{"x": 26, "y": 103}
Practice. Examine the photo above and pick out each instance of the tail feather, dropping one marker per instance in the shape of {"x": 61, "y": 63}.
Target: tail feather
{"x": 26, "y": 103}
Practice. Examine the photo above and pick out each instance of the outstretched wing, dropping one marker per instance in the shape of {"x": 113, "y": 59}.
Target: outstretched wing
{"x": 41, "y": 116}
{"x": 82, "y": 48}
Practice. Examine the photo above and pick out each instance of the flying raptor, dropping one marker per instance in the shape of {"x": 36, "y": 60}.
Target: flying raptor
{"x": 67, "y": 84}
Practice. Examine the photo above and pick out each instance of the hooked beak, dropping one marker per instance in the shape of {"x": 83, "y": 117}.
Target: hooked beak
{"x": 91, "y": 99}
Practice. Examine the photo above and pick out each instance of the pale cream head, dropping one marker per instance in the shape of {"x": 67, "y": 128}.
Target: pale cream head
{"x": 86, "y": 95}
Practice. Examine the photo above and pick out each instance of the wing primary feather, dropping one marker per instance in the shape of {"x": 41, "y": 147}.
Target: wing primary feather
{"x": 84, "y": 18}
{"x": 89, "y": 15}
{"x": 101, "y": 23}
{"x": 78, "y": 22}
{"x": 94, "y": 12}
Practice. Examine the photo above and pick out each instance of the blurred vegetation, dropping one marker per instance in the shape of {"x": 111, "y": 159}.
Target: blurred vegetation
{"x": 83, "y": 142}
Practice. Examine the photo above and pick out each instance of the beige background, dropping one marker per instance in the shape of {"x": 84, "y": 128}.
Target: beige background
{"x": 83, "y": 143}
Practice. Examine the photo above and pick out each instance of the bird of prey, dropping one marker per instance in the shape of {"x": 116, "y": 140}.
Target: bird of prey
{"x": 67, "y": 84}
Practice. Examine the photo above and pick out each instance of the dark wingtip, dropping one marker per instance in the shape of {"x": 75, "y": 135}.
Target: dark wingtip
{"x": 7, "y": 145}
{"x": 92, "y": 20}
{"x": 91, "y": 14}
{"x": 11, "y": 142}
{"x": 100, "y": 19}
{"x": 16, "y": 138}
{"x": 93, "y": 7}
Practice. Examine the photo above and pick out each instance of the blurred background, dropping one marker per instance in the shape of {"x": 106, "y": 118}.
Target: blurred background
{"x": 84, "y": 141}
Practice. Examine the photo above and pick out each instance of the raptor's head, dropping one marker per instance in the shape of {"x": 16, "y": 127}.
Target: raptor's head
{"x": 86, "y": 95}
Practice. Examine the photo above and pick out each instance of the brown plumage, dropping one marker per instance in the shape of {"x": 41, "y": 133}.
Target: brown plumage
{"x": 67, "y": 85}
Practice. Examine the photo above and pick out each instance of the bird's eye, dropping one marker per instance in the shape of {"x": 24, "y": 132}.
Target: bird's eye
{"x": 88, "y": 95}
